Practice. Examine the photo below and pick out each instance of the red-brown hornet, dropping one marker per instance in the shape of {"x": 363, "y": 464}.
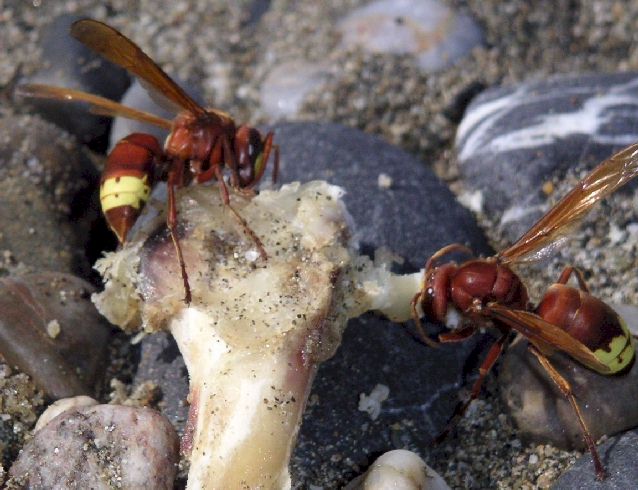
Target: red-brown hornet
{"x": 567, "y": 319}
{"x": 201, "y": 144}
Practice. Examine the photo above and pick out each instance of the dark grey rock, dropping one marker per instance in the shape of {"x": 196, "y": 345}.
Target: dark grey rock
{"x": 48, "y": 198}
{"x": 513, "y": 139}
{"x": 100, "y": 447}
{"x": 544, "y": 415}
{"x": 414, "y": 217}
{"x": 162, "y": 363}
{"x": 620, "y": 457}
{"x": 50, "y": 330}
{"x": 68, "y": 63}
{"x": 337, "y": 441}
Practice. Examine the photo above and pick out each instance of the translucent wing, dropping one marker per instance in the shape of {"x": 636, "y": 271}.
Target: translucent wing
{"x": 97, "y": 104}
{"x": 607, "y": 177}
{"x": 543, "y": 333}
{"x": 120, "y": 50}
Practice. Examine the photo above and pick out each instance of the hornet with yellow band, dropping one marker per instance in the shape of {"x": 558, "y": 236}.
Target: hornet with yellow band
{"x": 567, "y": 319}
{"x": 202, "y": 143}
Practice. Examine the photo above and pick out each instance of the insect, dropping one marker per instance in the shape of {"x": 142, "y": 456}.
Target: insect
{"x": 200, "y": 145}
{"x": 567, "y": 319}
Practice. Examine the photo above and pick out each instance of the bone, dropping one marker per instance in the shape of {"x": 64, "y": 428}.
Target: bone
{"x": 256, "y": 329}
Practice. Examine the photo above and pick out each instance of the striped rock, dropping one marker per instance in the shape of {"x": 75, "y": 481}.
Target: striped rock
{"x": 512, "y": 140}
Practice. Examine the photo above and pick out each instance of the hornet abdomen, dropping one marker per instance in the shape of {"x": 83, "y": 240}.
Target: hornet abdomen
{"x": 127, "y": 179}
{"x": 592, "y": 322}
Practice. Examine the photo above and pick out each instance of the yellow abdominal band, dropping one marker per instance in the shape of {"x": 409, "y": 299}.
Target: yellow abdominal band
{"x": 124, "y": 191}
{"x": 621, "y": 351}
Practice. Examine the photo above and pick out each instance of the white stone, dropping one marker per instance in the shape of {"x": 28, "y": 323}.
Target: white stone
{"x": 435, "y": 34}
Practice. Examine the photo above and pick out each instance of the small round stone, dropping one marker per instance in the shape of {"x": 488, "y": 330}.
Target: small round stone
{"x": 286, "y": 85}
{"x": 100, "y": 447}
{"x": 400, "y": 470}
{"x": 72, "y": 362}
{"x": 543, "y": 414}
{"x": 60, "y": 406}
{"x": 427, "y": 29}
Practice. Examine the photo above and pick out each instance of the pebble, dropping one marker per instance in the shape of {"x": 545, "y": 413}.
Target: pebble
{"x": 287, "y": 84}
{"x": 73, "y": 361}
{"x": 434, "y": 34}
{"x": 513, "y": 140}
{"x": 62, "y": 405}
{"x": 620, "y": 458}
{"x": 100, "y": 447}
{"x": 543, "y": 414}
{"x": 48, "y": 202}
{"x": 399, "y": 470}
{"x": 68, "y": 63}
